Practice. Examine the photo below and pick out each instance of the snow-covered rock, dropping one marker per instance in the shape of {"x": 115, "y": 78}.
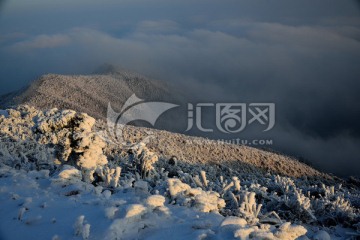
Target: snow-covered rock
{"x": 155, "y": 201}
{"x": 231, "y": 220}
{"x": 135, "y": 210}
{"x": 69, "y": 174}
{"x": 321, "y": 235}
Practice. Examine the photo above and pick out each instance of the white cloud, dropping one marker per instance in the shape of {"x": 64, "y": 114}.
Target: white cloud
{"x": 42, "y": 41}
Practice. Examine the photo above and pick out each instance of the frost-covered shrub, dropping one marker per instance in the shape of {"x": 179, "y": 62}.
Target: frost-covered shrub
{"x": 72, "y": 134}
{"x": 81, "y": 228}
{"x": 64, "y": 146}
{"x": 28, "y": 155}
{"x": 209, "y": 202}
{"x": 204, "y": 201}
{"x": 110, "y": 212}
{"x": 176, "y": 187}
{"x": 288, "y": 231}
{"x": 142, "y": 159}
{"x": 78, "y": 225}
{"x": 249, "y": 208}
{"x": 32, "y": 139}
{"x": 86, "y": 231}
{"x": 264, "y": 231}
{"x": 109, "y": 176}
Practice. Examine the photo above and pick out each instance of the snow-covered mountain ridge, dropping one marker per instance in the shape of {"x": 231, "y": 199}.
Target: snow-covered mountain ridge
{"x": 89, "y": 93}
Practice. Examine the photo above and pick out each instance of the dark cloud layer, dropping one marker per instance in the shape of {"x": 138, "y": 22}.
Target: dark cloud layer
{"x": 304, "y": 56}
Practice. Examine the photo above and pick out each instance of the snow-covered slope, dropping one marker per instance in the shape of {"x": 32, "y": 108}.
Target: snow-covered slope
{"x": 89, "y": 93}
{"x": 59, "y": 179}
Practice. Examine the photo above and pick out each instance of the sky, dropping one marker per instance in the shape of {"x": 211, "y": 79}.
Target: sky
{"x": 302, "y": 55}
